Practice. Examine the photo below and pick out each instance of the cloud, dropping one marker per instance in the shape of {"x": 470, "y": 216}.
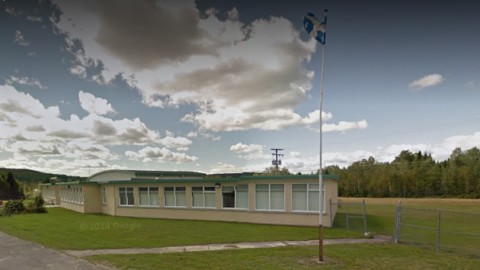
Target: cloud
{"x": 125, "y": 27}
{"x": 149, "y": 154}
{"x": 345, "y": 126}
{"x": 25, "y": 81}
{"x": 22, "y": 116}
{"x": 222, "y": 167}
{"x": 426, "y": 81}
{"x": 94, "y": 105}
{"x": 19, "y": 39}
{"x": 178, "y": 143}
{"x": 34, "y": 18}
{"x": 249, "y": 152}
{"x": 227, "y": 69}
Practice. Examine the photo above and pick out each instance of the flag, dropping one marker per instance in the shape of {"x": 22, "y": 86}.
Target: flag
{"x": 314, "y": 27}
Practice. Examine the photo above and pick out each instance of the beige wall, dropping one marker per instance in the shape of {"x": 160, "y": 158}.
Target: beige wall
{"x": 251, "y": 215}
{"x": 92, "y": 203}
{"x": 92, "y": 199}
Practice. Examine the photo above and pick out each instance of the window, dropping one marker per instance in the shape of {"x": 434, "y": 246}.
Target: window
{"x": 203, "y": 197}
{"x": 305, "y": 197}
{"x": 235, "y": 197}
{"x": 126, "y": 196}
{"x": 175, "y": 197}
{"x": 104, "y": 196}
{"x": 269, "y": 197}
{"x": 148, "y": 196}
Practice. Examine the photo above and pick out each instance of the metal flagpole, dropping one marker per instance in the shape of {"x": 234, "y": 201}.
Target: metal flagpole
{"x": 320, "y": 176}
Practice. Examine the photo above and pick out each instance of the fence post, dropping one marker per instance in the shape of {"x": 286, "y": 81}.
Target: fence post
{"x": 346, "y": 215}
{"x": 365, "y": 217}
{"x": 331, "y": 213}
{"x": 398, "y": 221}
{"x": 437, "y": 244}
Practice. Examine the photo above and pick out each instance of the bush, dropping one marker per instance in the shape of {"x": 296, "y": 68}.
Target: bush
{"x": 37, "y": 206}
{"x": 13, "y": 207}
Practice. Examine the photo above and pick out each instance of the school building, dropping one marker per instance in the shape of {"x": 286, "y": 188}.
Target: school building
{"x": 289, "y": 199}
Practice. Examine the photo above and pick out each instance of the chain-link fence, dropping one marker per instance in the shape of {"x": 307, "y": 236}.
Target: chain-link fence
{"x": 351, "y": 216}
{"x": 442, "y": 230}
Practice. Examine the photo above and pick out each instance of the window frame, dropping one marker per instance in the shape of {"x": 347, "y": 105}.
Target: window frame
{"x": 126, "y": 192}
{"x": 322, "y": 190}
{"x": 149, "y": 197}
{"x": 104, "y": 196}
{"x": 235, "y": 198}
{"x": 270, "y": 198}
{"x": 175, "y": 199}
{"x": 204, "y": 193}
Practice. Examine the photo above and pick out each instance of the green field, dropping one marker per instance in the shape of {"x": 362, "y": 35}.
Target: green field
{"x": 65, "y": 229}
{"x": 381, "y": 211}
{"x": 359, "y": 256}
{"x": 456, "y": 219}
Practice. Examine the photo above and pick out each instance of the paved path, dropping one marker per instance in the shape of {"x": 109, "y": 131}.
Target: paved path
{"x": 22, "y": 255}
{"x": 83, "y": 253}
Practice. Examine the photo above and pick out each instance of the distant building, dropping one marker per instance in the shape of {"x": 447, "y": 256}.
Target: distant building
{"x": 291, "y": 199}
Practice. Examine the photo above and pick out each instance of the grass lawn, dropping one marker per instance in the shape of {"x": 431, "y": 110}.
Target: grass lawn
{"x": 381, "y": 211}
{"x": 459, "y": 232}
{"x": 359, "y": 256}
{"x": 65, "y": 229}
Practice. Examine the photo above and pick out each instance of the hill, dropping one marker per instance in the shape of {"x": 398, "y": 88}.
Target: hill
{"x": 31, "y": 176}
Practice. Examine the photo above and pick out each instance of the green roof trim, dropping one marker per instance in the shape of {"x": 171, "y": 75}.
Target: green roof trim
{"x": 289, "y": 177}
{"x": 217, "y": 179}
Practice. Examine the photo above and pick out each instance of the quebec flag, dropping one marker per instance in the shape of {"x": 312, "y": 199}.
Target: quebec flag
{"x": 314, "y": 27}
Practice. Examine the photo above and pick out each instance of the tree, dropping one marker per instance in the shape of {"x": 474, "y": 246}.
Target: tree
{"x": 10, "y": 189}
{"x": 273, "y": 171}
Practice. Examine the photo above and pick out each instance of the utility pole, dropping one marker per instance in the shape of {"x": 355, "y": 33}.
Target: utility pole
{"x": 276, "y": 162}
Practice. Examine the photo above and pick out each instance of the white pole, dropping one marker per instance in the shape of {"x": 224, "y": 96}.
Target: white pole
{"x": 320, "y": 177}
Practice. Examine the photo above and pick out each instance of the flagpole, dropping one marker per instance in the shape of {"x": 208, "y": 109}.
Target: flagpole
{"x": 320, "y": 176}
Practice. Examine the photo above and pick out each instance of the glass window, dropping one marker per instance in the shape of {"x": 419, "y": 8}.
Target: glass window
{"x": 148, "y": 196}
{"x": 228, "y": 197}
{"x": 241, "y": 196}
{"x": 126, "y": 196}
{"x": 175, "y": 196}
{"x": 262, "y": 197}
{"x": 104, "y": 196}
{"x": 235, "y": 197}
{"x": 203, "y": 197}
{"x": 305, "y": 197}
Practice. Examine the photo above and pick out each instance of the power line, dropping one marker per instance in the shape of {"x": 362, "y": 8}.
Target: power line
{"x": 276, "y": 162}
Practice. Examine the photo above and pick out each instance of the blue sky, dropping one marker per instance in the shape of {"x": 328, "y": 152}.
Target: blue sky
{"x": 211, "y": 86}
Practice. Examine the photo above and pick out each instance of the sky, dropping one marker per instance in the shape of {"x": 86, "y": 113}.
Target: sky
{"x": 212, "y": 86}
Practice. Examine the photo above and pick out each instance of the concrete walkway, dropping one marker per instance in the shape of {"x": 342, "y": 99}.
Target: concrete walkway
{"x": 22, "y": 255}
{"x": 83, "y": 253}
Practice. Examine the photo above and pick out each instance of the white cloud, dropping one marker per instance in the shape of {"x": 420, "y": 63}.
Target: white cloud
{"x": 426, "y": 81}
{"x": 149, "y": 154}
{"x": 94, "y": 105}
{"x": 25, "y": 81}
{"x": 345, "y": 126}
{"x": 29, "y": 128}
{"x": 178, "y": 143}
{"x": 249, "y": 152}
{"x": 222, "y": 167}
{"x": 19, "y": 39}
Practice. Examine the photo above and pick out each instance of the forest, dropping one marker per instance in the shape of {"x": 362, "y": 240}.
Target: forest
{"x": 412, "y": 175}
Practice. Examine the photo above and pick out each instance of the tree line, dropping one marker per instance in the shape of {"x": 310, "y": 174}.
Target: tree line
{"x": 412, "y": 174}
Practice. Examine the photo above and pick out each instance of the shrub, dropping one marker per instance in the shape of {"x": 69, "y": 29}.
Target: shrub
{"x": 14, "y": 207}
{"x": 37, "y": 206}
